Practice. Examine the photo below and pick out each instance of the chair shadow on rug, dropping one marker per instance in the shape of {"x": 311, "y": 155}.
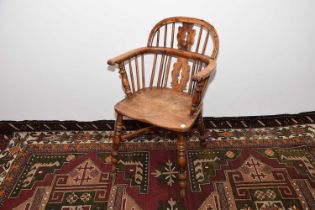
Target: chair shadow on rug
{"x": 181, "y": 60}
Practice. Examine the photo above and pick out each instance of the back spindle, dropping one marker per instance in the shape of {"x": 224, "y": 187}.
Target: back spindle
{"x": 173, "y": 34}
{"x": 153, "y": 70}
{"x": 160, "y": 70}
{"x": 165, "y": 35}
{"x": 143, "y": 71}
{"x": 158, "y": 38}
{"x": 199, "y": 38}
{"x": 205, "y": 43}
{"x": 167, "y": 70}
{"x": 137, "y": 73}
{"x": 131, "y": 76}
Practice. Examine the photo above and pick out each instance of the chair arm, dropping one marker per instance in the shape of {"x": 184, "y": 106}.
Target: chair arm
{"x": 156, "y": 50}
{"x": 206, "y": 72}
{"x": 125, "y": 56}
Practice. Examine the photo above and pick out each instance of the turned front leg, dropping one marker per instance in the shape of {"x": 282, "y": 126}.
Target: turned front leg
{"x": 202, "y": 133}
{"x": 181, "y": 161}
{"x": 116, "y": 141}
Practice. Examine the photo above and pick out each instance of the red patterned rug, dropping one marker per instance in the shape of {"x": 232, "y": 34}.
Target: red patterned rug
{"x": 249, "y": 163}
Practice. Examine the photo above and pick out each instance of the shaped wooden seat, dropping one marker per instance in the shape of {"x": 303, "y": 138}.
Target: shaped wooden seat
{"x": 165, "y": 82}
{"x": 162, "y": 107}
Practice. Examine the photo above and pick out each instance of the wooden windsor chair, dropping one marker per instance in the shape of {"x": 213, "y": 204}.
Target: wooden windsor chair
{"x": 171, "y": 96}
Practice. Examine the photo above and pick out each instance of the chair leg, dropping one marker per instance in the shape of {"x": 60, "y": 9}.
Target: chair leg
{"x": 201, "y": 129}
{"x": 181, "y": 158}
{"x": 116, "y": 141}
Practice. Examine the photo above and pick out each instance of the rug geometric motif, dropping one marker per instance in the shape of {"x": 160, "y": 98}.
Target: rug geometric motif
{"x": 248, "y": 168}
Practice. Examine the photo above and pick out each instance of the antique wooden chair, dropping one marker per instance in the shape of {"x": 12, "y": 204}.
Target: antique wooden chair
{"x": 171, "y": 96}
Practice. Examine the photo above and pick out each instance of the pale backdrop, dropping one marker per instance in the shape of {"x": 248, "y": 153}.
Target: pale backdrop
{"x": 53, "y": 53}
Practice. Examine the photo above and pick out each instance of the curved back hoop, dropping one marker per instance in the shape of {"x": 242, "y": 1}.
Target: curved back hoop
{"x": 192, "y": 35}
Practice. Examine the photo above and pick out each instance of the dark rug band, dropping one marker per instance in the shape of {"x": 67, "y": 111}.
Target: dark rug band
{"x": 6, "y": 127}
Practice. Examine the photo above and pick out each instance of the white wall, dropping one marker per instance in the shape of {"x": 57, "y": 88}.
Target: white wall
{"x": 53, "y": 53}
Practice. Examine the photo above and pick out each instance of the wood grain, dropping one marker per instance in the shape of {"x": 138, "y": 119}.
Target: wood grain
{"x": 162, "y": 107}
{"x": 162, "y": 104}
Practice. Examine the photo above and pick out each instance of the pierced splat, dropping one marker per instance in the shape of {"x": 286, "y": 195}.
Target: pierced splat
{"x": 185, "y": 36}
{"x": 180, "y": 74}
{"x": 181, "y": 69}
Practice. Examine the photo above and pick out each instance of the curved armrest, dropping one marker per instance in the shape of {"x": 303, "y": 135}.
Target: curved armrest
{"x": 205, "y": 73}
{"x": 158, "y": 50}
{"x": 125, "y": 56}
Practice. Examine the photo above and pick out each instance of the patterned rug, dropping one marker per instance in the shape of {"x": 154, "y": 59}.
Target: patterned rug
{"x": 250, "y": 163}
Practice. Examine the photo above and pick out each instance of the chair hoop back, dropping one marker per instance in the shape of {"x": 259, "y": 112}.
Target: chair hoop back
{"x": 192, "y": 35}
